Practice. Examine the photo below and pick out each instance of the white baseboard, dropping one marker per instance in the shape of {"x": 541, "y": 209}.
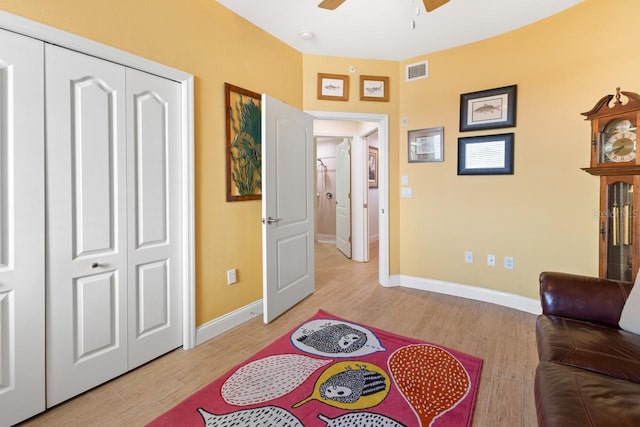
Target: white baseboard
{"x": 529, "y": 305}
{"x": 222, "y": 324}
{"x": 229, "y": 321}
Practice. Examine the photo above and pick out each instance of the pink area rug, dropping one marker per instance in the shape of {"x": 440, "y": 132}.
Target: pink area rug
{"x": 333, "y": 372}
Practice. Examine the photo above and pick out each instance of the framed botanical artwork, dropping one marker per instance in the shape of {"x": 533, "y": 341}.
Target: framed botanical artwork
{"x": 373, "y": 167}
{"x": 488, "y": 109}
{"x": 374, "y": 88}
{"x": 486, "y": 155}
{"x": 244, "y": 143}
{"x": 426, "y": 145}
{"x": 333, "y": 87}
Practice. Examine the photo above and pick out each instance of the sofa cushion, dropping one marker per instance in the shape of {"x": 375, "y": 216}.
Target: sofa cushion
{"x": 589, "y": 346}
{"x": 567, "y": 396}
{"x": 630, "y": 317}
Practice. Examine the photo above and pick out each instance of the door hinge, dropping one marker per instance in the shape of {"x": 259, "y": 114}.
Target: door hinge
{"x": 349, "y": 239}
{"x": 365, "y": 205}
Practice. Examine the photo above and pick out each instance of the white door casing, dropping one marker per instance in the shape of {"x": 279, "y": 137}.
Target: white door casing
{"x": 87, "y": 222}
{"x": 288, "y": 165}
{"x": 153, "y": 189}
{"x": 343, "y": 197}
{"x": 22, "y": 376}
{"x": 383, "y": 179}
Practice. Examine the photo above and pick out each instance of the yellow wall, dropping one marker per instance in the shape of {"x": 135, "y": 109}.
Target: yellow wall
{"x": 216, "y": 46}
{"x": 545, "y": 215}
{"x": 314, "y": 64}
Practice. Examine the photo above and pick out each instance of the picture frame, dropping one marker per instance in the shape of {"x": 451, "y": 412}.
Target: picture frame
{"x": 488, "y": 109}
{"x": 333, "y": 87}
{"x": 373, "y": 167}
{"x": 425, "y": 145}
{"x": 243, "y": 117}
{"x": 486, "y": 155}
{"x": 374, "y": 88}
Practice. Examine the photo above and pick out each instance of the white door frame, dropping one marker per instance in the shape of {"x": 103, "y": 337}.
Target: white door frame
{"x": 383, "y": 178}
{"x": 61, "y": 38}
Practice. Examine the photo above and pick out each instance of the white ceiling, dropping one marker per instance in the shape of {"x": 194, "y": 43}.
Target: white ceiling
{"x": 381, "y": 29}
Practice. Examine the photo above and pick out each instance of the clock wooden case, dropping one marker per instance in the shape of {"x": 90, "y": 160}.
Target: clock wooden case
{"x": 614, "y": 159}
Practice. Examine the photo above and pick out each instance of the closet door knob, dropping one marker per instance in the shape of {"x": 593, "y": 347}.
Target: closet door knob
{"x": 95, "y": 265}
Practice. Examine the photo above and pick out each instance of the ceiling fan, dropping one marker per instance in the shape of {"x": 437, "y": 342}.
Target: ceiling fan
{"x": 428, "y": 4}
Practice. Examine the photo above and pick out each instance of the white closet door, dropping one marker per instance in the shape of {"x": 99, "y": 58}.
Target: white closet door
{"x": 155, "y": 289}
{"x": 21, "y": 228}
{"x": 87, "y": 220}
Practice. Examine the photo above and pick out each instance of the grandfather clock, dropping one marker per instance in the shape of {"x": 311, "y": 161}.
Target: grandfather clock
{"x": 614, "y": 119}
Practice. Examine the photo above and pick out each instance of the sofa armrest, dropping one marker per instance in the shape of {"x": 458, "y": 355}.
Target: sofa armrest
{"x": 590, "y": 299}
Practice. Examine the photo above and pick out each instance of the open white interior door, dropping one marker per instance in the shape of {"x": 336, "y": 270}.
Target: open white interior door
{"x": 288, "y": 163}
{"x": 343, "y": 197}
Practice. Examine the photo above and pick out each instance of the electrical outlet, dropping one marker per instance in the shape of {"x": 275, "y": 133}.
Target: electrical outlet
{"x": 491, "y": 260}
{"x": 508, "y": 262}
{"x": 231, "y": 277}
{"x": 468, "y": 257}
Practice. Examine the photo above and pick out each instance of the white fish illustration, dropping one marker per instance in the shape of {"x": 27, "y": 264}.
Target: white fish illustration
{"x": 256, "y": 417}
{"x": 359, "y": 419}
{"x": 269, "y": 378}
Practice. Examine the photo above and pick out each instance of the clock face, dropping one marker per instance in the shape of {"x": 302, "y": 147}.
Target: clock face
{"x": 619, "y": 142}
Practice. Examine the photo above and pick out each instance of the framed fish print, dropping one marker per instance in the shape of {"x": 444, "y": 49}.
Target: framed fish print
{"x": 333, "y": 87}
{"x": 488, "y": 109}
{"x": 374, "y": 88}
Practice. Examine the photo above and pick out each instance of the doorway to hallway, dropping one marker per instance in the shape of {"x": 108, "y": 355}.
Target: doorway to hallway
{"x": 369, "y": 220}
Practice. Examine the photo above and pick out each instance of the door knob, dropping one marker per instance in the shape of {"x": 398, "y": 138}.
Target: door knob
{"x": 271, "y": 220}
{"x": 95, "y": 265}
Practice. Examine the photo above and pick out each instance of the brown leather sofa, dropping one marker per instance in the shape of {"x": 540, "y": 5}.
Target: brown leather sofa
{"x": 589, "y": 370}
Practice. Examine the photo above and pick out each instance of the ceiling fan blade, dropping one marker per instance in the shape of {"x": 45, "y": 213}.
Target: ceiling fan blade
{"x": 331, "y": 4}
{"x": 431, "y": 5}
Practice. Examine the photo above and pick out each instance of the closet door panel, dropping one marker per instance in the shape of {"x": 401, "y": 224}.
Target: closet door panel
{"x": 155, "y": 290}
{"x": 22, "y": 288}
{"x": 87, "y": 225}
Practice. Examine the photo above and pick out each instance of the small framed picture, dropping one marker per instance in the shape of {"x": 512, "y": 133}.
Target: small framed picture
{"x": 374, "y": 88}
{"x": 488, "y": 109}
{"x": 333, "y": 87}
{"x": 426, "y": 145}
{"x": 486, "y": 155}
{"x": 373, "y": 167}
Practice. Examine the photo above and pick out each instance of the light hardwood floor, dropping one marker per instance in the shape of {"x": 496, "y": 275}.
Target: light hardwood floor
{"x": 504, "y": 338}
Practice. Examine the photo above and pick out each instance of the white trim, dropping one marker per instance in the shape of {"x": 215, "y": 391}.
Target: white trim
{"x": 229, "y": 321}
{"x": 61, "y": 38}
{"x": 383, "y": 179}
{"x": 529, "y": 305}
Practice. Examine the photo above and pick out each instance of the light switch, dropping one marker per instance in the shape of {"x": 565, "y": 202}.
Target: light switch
{"x": 405, "y": 179}
{"x": 407, "y": 192}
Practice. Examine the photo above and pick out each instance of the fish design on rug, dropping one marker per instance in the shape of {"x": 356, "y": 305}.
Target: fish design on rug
{"x": 256, "y": 417}
{"x": 269, "y": 378}
{"x": 360, "y": 419}
{"x": 430, "y": 378}
{"x": 329, "y": 338}
{"x": 350, "y": 385}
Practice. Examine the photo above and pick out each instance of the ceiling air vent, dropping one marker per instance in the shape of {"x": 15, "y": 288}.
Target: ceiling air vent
{"x": 419, "y": 70}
